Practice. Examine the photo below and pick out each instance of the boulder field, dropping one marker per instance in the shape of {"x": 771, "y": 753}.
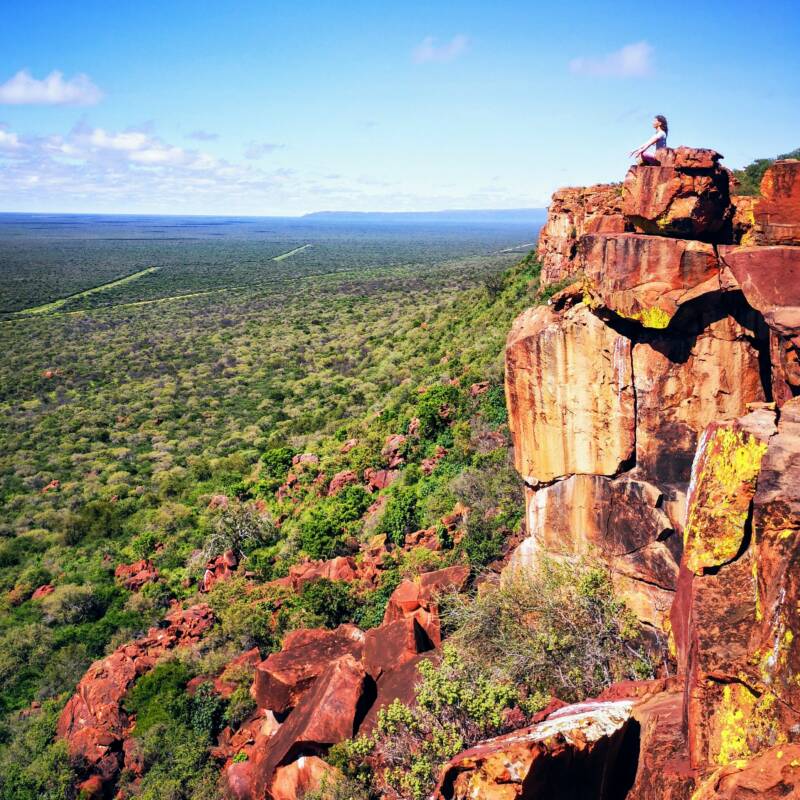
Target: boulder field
{"x": 654, "y": 406}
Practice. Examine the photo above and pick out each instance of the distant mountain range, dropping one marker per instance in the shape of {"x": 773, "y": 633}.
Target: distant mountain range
{"x": 526, "y": 215}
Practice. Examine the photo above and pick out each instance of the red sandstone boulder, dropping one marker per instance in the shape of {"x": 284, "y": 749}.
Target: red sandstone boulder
{"x": 392, "y": 449}
{"x": 389, "y": 646}
{"x": 219, "y": 569}
{"x": 647, "y": 278}
{"x": 575, "y": 752}
{"x": 348, "y": 445}
{"x": 134, "y": 576}
{"x": 427, "y": 537}
{"x": 378, "y": 479}
{"x": 776, "y": 214}
{"x": 398, "y": 683}
{"x": 428, "y": 465}
{"x": 340, "y": 480}
{"x": 325, "y": 716}
{"x": 341, "y": 568}
{"x": 282, "y": 679}
{"x": 303, "y": 460}
{"x": 686, "y": 195}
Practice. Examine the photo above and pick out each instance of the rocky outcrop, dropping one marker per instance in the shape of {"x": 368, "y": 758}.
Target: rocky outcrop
{"x": 94, "y": 723}
{"x": 687, "y": 195}
{"x": 573, "y": 213}
{"x": 776, "y": 213}
{"x": 611, "y": 385}
{"x": 327, "y": 685}
{"x": 680, "y": 468}
{"x": 134, "y": 576}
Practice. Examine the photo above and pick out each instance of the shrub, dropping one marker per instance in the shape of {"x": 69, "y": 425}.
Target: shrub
{"x": 400, "y": 517}
{"x": 159, "y": 697}
{"x": 69, "y": 603}
{"x": 331, "y": 601}
{"x": 277, "y": 461}
{"x": 435, "y": 408}
{"x": 206, "y": 711}
{"x": 554, "y": 629}
{"x": 324, "y": 526}
{"x": 457, "y": 705}
{"x": 240, "y": 528}
{"x": 240, "y": 707}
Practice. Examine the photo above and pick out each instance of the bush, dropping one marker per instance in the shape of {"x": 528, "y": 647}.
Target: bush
{"x": 69, "y": 604}
{"x": 435, "y": 408}
{"x": 457, "y": 705}
{"x": 240, "y": 706}
{"x": 400, "y": 517}
{"x": 159, "y": 697}
{"x": 331, "y": 601}
{"x": 555, "y": 629}
{"x": 277, "y": 461}
{"x": 240, "y": 528}
{"x": 324, "y": 526}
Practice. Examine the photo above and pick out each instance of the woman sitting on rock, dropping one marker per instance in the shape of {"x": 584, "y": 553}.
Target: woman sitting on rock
{"x": 659, "y": 139}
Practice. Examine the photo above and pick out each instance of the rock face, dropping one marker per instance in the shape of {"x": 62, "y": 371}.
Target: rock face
{"x": 776, "y": 214}
{"x": 569, "y": 391}
{"x": 686, "y": 195}
{"x": 611, "y": 385}
{"x": 683, "y": 476}
{"x": 573, "y": 213}
{"x": 93, "y": 722}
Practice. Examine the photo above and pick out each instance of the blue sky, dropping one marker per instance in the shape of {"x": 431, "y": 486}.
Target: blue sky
{"x": 289, "y": 107}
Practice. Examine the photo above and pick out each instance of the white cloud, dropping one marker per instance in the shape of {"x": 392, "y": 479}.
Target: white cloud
{"x": 427, "y": 50}
{"x": 260, "y": 149}
{"x": 24, "y": 89}
{"x": 632, "y": 61}
{"x": 9, "y": 141}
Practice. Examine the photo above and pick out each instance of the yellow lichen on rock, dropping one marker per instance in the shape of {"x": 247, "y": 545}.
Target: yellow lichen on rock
{"x": 723, "y": 483}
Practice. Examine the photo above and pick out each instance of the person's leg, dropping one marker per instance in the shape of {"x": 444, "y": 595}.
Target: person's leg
{"x": 648, "y": 161}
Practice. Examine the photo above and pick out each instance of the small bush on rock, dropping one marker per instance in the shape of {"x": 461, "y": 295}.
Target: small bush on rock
{"x": 557, "y": 629}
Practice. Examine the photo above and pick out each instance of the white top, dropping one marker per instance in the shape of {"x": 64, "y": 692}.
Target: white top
{"x": 661, "y": 139}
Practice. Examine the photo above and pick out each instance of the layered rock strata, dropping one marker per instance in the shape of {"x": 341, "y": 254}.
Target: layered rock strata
{"x": 666, "y": 441}
{"x": 611, "y": 385}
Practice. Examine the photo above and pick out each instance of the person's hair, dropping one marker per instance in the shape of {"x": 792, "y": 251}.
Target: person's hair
{"x": 663, "y": 122}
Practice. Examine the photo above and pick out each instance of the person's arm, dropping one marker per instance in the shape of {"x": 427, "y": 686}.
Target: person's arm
{"x": 649, "y": 143}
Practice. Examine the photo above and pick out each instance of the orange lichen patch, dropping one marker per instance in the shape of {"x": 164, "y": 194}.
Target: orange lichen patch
{"x": 722, "y": 488}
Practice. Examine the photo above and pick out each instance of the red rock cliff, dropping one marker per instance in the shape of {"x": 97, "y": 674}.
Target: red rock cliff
{"x": 655, "y": 411}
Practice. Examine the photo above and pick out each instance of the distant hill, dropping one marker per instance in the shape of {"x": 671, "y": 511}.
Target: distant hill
{"x": 526, "y": 215}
